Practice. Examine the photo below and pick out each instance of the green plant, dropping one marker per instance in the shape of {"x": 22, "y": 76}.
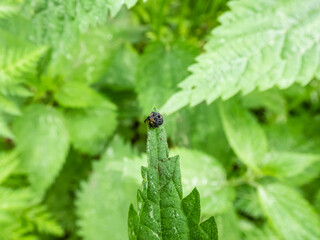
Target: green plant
{"x": 278, "y": 46}
{"x": 162, "y": 213}
{"x": 77, "y": 79}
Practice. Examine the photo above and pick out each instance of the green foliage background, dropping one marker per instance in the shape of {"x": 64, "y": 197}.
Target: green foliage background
{"x": 238, "y": 86}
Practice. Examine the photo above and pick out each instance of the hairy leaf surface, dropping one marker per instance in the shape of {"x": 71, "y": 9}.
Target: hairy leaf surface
{"x": 162, "y": 213}
{"x": 260, "y": 44}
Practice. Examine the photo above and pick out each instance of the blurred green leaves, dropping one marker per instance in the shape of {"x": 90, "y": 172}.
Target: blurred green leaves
{"x": 287, "y": 164}
{"x": 214, "y": 199}
{"x": 91, "y": 118}
{"x": 77, "y": 79}
{"x": 244, "y": 134}
{"x": 21, "y": 216}
{"x": 90, "y": 128}
{"x": 79, "y": 95}
{"x": 287, "y": 210}
{"x": 103, "y": 202}
{"x": 68, "y": 19}
{"x": 43, "y": 142}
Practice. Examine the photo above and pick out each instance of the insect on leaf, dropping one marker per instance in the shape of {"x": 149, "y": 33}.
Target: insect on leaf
{"x": 162, "y": 212}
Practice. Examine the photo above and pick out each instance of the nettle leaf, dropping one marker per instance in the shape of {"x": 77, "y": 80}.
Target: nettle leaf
{"x": 43, "y": 221}
{"x": 5, "y": 130}
{"x": 103, "y": 201}
{"x": 7, "y": 9}
{"x": 253, "y": 232}
{"x": 228, "y": 225}
{"x": 206, "y": 173}
{"x": 8, "y": 163}
{"x": 8, "y": 106}
{"x": 79, "y": 95}
{"x": 43, "y": 142}
{"x": 244, "y": 134}
{"x": 19, "y": 64}
{"x": 260, "y": 44}
{"x": 90, "y": 128}
{"x": 287, "y": 164}
{"x": 60, "y": 197}
{"x": 15, "y": 199}
{"x": 296, "y": 136}
{"x": 92, "y": 119}
{"x": 68, "y": 18}
{"x": 247, "y": 201}
{"x": 162, "y": 213}
{"x": 195, "y": 129}
{"x": 296, "y": 133}
{"x": 95, "y": 56}
{"x": 316, "y": 201}
{"x": 290, "y": 214}
{"x": 272, "y": 100}
{"x": 159, "y": 70}
{"x": 120, "y": 68}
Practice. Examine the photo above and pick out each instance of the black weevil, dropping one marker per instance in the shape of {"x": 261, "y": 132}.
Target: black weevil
{"x": 154, "y": 120}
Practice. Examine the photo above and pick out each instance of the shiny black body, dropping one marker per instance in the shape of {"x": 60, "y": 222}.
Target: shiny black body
{"x": 154, "y": 120}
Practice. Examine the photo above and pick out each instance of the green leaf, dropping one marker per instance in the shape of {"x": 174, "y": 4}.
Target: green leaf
{"x": 287, "y": 164}
{"x": 195, "y": 129}
{"x": 92, "y": 120}
{"x": 272, "y": 100}
{"x": 160, "y": 69}
{"x": 297, "y": 136}
{"x": 294, "y": 135}
{"x": 316, "y": 201}
{"x": 133, "y": 223}
{"x": 60, "y": 197}
{"x": 248, "y": 202}
{"x": 120, "y": 69}
{"x": 228, "y": 225}
{"x": 260, "y": 44}
{"x": 43, "y": 142}
{"x": 79, "y": 95}
{"x": 161, "y": 211}
{"x": 68, "y": 18}
{"x": 7, "y": 9}
{"x": 290, "y": 214}
{"x": 43, "y": 221}
{"x": 244, "y": 134}
{"x": 253, "y": 232}
{"x": 87, "y": 65}
{"x": 8, "y": 106}
{"x": 90, "y": 128}
{"x": 201, "y": 170}
{"x": 15, "y": 199}
{"x": 20, "y": 64}
{"x": 191, "y": 208}
{"x": 5, "y": 130}
{"x": 94, "y": 56}
{"x": 102, "y": 204}
{"x": 8, "y": 163}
